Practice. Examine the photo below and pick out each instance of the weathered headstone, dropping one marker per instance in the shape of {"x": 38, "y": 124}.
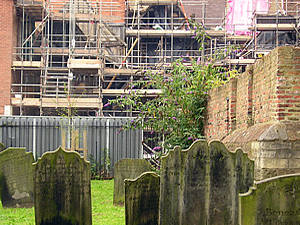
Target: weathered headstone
{"x": 16, "y": 178}
{"x": 274, "y": 201}
{"x": 184, "y": 185}
{"x": 201, "y": 185}
{"x": 127, "y": 169}
{"x": 142, "y": 199}
{"x": 244, "y": 171}
{"x": 223, "y": 189}
{"x": 62, "y": 190}
{"x": 2, "y": 147}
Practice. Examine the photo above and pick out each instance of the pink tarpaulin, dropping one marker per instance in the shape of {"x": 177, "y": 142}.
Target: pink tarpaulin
{"x": 240, "y": 13}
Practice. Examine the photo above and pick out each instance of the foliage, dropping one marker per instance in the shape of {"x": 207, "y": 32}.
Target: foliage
{"x": 104, "y": 212}
{"x": 178, "y": 112}
{"x": 98, "y": 170}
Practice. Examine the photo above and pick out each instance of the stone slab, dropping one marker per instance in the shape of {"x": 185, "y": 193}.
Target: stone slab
{"x": 184, "y": 185}
{"x": 62, "y": 189}
{"x": 127, "y": 169}
{"x": 223, "y": 186}
{"x": 2, "y": 147}
{"x": 142, "y": 199}
{"x": 200, "y": 185}
{"x": 16, "y": 177}
{"x": 274, "y": 201}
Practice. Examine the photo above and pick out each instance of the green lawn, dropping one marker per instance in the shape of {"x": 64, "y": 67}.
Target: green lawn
{"x": 104, "y": 213}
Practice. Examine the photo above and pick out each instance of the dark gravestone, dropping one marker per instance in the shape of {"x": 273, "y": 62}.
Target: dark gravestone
{"x": 62, "y": 190}
{"x": 201, "y": 185}
{"x": 223, "y": 187}
{"x": 127, "y": 169}
{"x": 274, "y": 201}
{"x": 184, "y": 186}
{"x": 244, "y": 171}
{"x": 2, "y": 147}
{"x": 230, "y": 174}
{"x": 16, "y": 178}
{"x": 142, "y": 199}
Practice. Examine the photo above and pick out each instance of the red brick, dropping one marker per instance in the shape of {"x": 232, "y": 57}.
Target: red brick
{"x": 7, "y": 43}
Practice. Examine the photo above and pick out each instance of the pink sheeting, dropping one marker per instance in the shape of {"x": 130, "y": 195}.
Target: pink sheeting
{"x": 240, "y": 14}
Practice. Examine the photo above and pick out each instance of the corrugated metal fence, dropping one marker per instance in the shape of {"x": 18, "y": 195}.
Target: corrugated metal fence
{"x": 101, "y": 136}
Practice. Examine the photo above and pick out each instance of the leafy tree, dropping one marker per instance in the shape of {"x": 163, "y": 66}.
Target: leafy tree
{"x": 177, "y": 113}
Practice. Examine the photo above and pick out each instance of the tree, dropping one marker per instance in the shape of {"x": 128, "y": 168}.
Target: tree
{"x": 177, "y": 113}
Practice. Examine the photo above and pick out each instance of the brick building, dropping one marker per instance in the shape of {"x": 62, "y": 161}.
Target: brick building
{"x": 58, "y": 55}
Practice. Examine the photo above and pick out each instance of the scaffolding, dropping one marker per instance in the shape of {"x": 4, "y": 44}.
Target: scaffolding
{"x": 62, "y": 47}
{"x": 279, "y": 27}
{"x": 79, "y": 54}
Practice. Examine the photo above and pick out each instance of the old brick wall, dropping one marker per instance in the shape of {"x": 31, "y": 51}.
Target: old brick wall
{"x": 113, "y": 11}
{"x": 289, "y": 7}
{"x": 264, "y": 89}
{"x": 261, "y": 115}
{"x": 268, "y": 91}
{"x": 287, "y": 101}
{"x": 7, "y": 42}
{"x": 221, "y": 111}
{"x": 213, "y": 11}
{"x": 244, "y": 99}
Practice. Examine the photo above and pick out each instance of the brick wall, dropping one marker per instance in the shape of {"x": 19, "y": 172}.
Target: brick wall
{"x": 213, "y": 10}
{"x": 113, "y": 11}
{"x": 268, "y": 91}
{"x": 221, "y": 111}
{"x": 287, "y": 102}
{"x": 264, "y": 88}
{"x": 7, "y": 40}
{"x": 244, "y": 101}
{"x": 289, "y": 6}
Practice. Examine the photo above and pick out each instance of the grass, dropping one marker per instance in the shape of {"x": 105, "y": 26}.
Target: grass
{"x": 103, "y": 210}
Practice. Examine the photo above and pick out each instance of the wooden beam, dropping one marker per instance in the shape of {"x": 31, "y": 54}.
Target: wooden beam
{"x": 109, "y": 71}
{"x": 175, "y": 33}
{"x": 239, "y": 38}
{"x": 235, "y": 62}
{"x": 84, "y": 64}
{"x": 118, "y": 92}
{"x": 158, "y": 33}
{"x": 58, "y": 102}
{"x": 26, "y": 64}
{"x": 284, "y": 27}
{"x": 153, "y": 2}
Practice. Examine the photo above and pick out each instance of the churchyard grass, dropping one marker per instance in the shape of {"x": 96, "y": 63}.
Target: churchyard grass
{"x": 104, "y": 212}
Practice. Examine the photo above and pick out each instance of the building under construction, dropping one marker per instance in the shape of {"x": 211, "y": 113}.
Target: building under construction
{"x": 79, "y": 54}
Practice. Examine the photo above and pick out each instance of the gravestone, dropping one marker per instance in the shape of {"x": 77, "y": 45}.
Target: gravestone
{"x": 223, "y": 189}
{"x": 62, "y": 190}
{"x": 244, "y": 171}
{"x": 142, "y": 199}
{"x": 184, "y": 185}
{"x": 200, "y": 185}
{"x": 127, "y": 169}
{"x": 274, "y": 201}
{"x": 2, "y": 147}
{"x": 16, "y": 178}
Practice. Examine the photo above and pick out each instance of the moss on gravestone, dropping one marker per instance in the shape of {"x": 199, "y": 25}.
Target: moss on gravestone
{"x": 200, "y": 185}
{"x": 184, "y": 185}
{"x": 17, "y": 177}
{"x": 142, "y": 199}
{"x": 2, "y": 147}
{"x": 62, "y": 191}
{"x": 272, "y": 201}
{"x": 127, "y": 169}
{"x": 244, "y": 171}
